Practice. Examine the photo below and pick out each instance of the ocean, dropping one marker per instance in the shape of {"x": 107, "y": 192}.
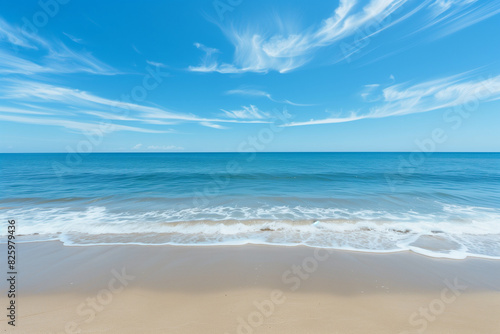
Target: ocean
{"x": 436, "y": 204}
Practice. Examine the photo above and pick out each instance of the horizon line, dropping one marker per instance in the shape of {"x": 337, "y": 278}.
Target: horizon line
{"x": 233, "y": 152}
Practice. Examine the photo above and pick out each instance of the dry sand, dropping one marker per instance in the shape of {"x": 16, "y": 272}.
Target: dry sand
{"x": 248, "y": 289}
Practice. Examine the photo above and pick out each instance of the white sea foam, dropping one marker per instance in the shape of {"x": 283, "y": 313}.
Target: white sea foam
{"x": 454, "y": 232}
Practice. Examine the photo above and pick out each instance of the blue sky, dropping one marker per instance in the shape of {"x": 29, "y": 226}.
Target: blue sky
{"x": 239, "y": 75}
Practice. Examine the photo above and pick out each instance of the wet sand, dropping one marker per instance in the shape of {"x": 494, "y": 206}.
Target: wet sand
{"x": 248, "y": 289}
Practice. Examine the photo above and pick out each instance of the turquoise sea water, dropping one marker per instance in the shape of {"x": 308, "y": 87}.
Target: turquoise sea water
{"x": 439, "y": 204}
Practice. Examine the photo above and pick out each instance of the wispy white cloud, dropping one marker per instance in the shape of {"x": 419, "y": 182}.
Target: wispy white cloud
{"x": 249, "y": 92}
{"x": 158, "y": 122}
{"x": 208, "y": 51}
{"x": 76, "y": 125}
{"x": 62, "y": 59}
{"x": 262, "y": 46}
{"x": 260, "y": 93}
{"x": 164, "y": 148}
{"x": 73, "y": 38}
{"x": 25, "y": 53}
{"x": 288, "y": 47}
{"x": 140, "y": 147}
{"x": 250, "y": 112}
{"x": 110, "y": 116}
{"x": 136, "y": 49}
{"x": 6, "y": 109}
{"x": 449, "y": 16}
{"x": 25, "y": 90}
{"x": 404, "y": 99}
{"x": 14, "y": 64}
{"x": 15, "y": 36}
{"x": 40, "y": 92}
{"x": 155, "y": 64}
{"x": 208, "y": 60}
{"x": 368, "y": 92}
{"x": 330, "y": 120}
{"x": 213, "y": 125}
{"x": 48, "y": 99}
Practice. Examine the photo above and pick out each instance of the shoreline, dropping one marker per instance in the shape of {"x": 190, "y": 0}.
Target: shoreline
{"x": 417, "y": 250}
{"x": 223, "y": 289}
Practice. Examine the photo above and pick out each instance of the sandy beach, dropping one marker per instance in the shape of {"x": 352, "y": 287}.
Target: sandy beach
{"x": 249, "y": 289}
{"x": 250, "y": 167}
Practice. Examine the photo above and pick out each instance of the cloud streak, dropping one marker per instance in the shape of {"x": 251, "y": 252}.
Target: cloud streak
{"x": 250, "y": 112}
{"x": 283, "y": 47}
{"x": 25, "y": 53}
{"x": 260, "y": 93}
{"x": 76, "y": 125}
{"x": 405, "y": 99}
{"x": 212, "y": 125}
{"x": 91, "y": 109}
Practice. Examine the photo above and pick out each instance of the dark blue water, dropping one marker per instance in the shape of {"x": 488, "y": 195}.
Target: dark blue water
{"x": 441, "y": 204}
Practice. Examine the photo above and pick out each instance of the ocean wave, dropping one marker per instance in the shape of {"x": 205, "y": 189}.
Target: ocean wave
{"x": 453, "y": 232}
